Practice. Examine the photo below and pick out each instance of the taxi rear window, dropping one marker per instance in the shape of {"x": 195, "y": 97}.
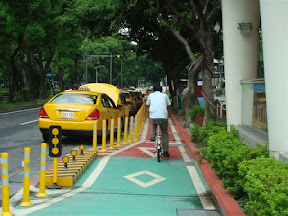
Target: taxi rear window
{"x": 75, "y": 99}
{"x": 126, "y": 95}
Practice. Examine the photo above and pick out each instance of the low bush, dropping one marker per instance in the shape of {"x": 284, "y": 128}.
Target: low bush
{"x": 201, "y": 134}
{"x": 225, "y": 152}
{"x": 196, "y": 110}
{"x": 265, "y": 180}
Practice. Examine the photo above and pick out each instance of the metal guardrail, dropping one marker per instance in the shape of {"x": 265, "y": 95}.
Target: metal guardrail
{"x": 259, "y": 117}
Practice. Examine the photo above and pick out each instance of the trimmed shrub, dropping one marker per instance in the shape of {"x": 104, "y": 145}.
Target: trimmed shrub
{"x": 265, "y": 180}
{"x": 199, "y": 134}
{"x": 224, "y": 152}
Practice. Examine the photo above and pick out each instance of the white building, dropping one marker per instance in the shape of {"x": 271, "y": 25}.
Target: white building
{"x": 241, "y": 27}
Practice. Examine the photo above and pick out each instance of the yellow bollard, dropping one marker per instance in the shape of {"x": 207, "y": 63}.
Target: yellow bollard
{"x": 26, "y": 179}
{"x": 112, "y": 135}
{"x": 136, "y": 128}
{"x": 95, "y": 136}
{"x": 42, "y": 171}
{"x": 131, "y": 129}
{"x": 104, "y": 129}
{"x": 5, "y": 185}
{"x": 118, "y": 131}
{"x": 125, "y": 131}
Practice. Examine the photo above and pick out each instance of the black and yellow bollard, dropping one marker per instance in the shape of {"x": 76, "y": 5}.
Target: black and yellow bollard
{"x": 65, "y": 160}
{"x": 118, "y": 132}
{"x": 5, "y": 185}
{"x": 95, "y": 136}
{"x": 104, "y": 129}
{"x": 125, "y": 131}
{"x": 55, "y": 150}
{"x": 42, "y": 192}
{"x": 26, "y": 179}
{"x": 74, "y": 154}
{"x": 81, "y": 148}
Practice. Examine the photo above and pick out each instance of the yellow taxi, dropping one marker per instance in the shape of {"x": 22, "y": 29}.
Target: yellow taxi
{"x": 130, "y": 102}
{"x": 76, "y": 111}
{"x": 123, "y": 106}
{"x": 138, "y": 98}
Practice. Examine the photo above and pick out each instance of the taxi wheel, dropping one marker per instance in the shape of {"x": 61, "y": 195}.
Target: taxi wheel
{"x": 45, "y": 137}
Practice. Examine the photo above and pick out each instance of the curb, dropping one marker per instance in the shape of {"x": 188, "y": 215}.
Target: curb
{"x": 226, "y": 202}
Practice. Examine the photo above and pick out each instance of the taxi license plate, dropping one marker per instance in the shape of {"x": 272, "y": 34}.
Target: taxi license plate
{"x": 68, "y": 115}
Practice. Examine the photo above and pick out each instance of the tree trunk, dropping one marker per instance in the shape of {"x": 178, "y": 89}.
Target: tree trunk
{"x": 191, "y": 93}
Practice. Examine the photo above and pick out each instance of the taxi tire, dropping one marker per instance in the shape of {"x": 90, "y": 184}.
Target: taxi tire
{"x": 45, "y": 137}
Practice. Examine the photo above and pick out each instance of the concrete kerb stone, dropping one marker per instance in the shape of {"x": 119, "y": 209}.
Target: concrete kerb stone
{"x": 227, "y": 203}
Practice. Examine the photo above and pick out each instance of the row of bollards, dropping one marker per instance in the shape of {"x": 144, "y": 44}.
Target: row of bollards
{"x": 26, "y": 177}
{"x": 134, "y": 129}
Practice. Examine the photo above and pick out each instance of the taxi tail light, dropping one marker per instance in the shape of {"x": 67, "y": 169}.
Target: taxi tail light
{"x": 94, "y": 115}
{"x": 42, "y": 113}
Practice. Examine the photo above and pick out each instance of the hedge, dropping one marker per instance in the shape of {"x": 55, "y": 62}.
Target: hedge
{"x": 249, "y": 174}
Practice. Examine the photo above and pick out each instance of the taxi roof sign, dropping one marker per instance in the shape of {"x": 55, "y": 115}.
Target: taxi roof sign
{"x": 103, "y": 88}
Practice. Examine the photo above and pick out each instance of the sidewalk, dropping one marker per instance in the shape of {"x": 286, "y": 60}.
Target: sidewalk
{"x": 130, "y": 181}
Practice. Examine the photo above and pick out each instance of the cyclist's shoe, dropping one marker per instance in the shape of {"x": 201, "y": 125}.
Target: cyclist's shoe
{"x": 152, "y": 139}
{"x": 166, "y": 154}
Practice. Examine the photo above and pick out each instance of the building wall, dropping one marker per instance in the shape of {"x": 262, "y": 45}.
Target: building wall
{"x": 274, "y": 22}
{"x": 240, "y": 52}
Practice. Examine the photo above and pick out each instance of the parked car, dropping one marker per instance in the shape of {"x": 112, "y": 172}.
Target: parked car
{"x": 77, "y": 110}
{"x": 130, "y": 102}
{"x": 138, "y": 98}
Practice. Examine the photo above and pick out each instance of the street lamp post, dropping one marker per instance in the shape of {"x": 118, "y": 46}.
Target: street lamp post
{"x": 121, "y": 72}
{"x": 97, "y": 71}
{"x": 111, "y": 57}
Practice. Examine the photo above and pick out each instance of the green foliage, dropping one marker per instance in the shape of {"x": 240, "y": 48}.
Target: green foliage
{"x": 265, "y": 180}
{"x": 20, "y": 97}
{"x": 199, "y": 134}
{"x": 4, "y": 92}
{"x": 196, "y": 110}
{"x": 225, "y": 151}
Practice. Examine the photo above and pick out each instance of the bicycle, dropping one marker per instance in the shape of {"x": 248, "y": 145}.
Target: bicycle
{"x": 158, "y": 141}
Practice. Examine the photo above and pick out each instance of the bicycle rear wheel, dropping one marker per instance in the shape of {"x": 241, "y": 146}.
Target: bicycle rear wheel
{"x": 158, "y": 154}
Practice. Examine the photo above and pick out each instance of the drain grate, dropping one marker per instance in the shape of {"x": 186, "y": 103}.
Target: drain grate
{"x": 176, "y": 163}
{"x": 195, "y": 212}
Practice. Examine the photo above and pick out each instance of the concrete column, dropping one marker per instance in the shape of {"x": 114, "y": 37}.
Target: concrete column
{"x": 274, "y": 21}
{"x": 240, "y": 52}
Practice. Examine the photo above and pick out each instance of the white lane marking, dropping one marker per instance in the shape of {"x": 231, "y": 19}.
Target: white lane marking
{"x": 88, "y": 183}
{"x": 157, "y": 178}
{"x": 175, "y": 133}
{"x": 201, "y": 190}
{"x": 198, "y": 184}
{"x": 146, "y": 150}
{"x": 19, "y": 111}
{"x": 24, "y": 123}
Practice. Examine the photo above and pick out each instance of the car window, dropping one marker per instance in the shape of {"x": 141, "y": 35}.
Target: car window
{"x": 125, "y": 95}
{"x": 75, "y": 99}
{"x": 105, "y": 102}
{"x": 112, "y": 104}
{"x": 122, "y": 98}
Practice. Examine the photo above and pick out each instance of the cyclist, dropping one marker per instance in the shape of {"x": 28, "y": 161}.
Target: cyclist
{"x": 158, "y": 102}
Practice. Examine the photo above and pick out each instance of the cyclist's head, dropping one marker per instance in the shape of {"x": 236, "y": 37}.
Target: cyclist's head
{"x": 157, "y": 88}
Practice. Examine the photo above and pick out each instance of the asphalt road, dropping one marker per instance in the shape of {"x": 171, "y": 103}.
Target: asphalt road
{"x": 19, "y": 130}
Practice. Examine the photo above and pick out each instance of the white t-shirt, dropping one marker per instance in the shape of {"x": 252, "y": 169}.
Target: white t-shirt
{"x": 158, "y": 102}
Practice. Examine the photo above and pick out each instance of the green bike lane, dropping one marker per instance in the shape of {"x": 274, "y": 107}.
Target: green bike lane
{"x": 130, "y": 181}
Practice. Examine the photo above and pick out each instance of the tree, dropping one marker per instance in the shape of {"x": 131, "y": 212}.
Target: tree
{"x": 193, "y": 24}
